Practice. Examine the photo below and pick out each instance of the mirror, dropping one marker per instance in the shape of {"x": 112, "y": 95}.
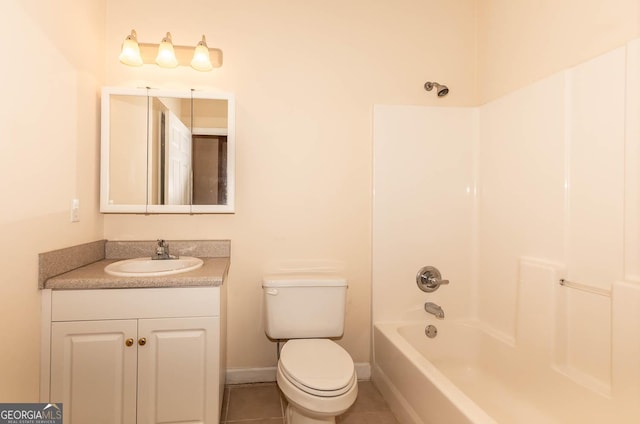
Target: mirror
{"x": 167, "y": 151}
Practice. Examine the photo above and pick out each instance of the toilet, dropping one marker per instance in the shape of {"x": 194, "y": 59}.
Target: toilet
{"x": 315, "y": 374}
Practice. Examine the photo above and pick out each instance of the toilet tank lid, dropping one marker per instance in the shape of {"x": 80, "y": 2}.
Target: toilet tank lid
{"x": 303, "y": 281}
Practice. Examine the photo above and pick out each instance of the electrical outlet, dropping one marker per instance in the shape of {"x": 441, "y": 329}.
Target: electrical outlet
{"x": 75, "y": 210}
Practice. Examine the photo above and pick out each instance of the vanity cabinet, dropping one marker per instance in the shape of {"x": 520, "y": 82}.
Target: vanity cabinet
{"x": 137, "y": 355}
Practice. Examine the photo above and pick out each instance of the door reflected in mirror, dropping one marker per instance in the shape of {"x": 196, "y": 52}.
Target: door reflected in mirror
{"x": 168, "y": 151}
{"x": 209, "y": 169}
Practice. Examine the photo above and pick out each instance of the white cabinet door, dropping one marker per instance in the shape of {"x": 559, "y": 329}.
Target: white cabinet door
{"x": 178, "y": 371}
{"x": 93, "y": 372}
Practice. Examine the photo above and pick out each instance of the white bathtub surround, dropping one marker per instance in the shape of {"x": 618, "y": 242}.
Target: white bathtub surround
{"x": 632, "y": 165}
{"x": 625, "y": 342}
{"x": 573, "y": 329}
{"x": 538, "y": 283}
{"x": 423, "y": 201}
{"x": 544, "y": 185}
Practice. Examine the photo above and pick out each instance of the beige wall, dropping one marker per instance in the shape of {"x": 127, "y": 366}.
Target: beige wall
{"x": 49, "y": 120}
{"x": 520, "y": 42}
{"x": 306, "y": 75}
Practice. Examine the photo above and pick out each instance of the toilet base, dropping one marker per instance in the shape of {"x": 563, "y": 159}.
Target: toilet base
{"x": 295, "y": 416}
{"x": 305, "y": 408}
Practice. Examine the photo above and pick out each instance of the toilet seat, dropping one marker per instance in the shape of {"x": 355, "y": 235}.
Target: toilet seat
{"x": 319, "y": 367}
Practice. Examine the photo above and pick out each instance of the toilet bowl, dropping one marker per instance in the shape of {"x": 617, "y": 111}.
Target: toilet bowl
{"x": 318, "y": 379}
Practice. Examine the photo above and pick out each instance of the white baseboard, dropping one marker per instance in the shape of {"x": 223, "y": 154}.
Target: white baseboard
{"x": 250, "y": 375}
{"x": 363, "y": 370}
{"x": 268, "y": 374}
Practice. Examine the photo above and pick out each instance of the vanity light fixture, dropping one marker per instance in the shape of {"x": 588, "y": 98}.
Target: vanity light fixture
{"x": 167, "y": 55}
{"x": 201, "y": 60}
{"x": 130, "y": 54}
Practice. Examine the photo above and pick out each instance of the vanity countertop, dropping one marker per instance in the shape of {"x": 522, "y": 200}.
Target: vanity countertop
{"x": 92, "y": 276}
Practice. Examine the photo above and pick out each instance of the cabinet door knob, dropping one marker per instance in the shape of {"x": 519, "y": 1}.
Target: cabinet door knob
{"x": 129, "y": 342}
{"x": 142, "y": 341}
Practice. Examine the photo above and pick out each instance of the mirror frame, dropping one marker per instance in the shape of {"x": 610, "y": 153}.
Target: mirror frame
{"x": 106, "y": 207}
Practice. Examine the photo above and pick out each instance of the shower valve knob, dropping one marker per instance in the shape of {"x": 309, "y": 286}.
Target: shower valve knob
{"x": 429, "y": 279}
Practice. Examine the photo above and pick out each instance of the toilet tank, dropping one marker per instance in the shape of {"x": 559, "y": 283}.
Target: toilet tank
{"x": 304, "y": 307}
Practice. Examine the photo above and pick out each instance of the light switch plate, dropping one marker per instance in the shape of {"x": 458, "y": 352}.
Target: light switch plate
{"x": 75, "y": 210}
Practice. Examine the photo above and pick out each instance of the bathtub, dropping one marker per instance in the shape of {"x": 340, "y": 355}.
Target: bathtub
{"x": 466, "y": 375}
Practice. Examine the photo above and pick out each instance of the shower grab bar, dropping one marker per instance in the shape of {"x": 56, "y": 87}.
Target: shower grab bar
{"x": 585, "y": 288}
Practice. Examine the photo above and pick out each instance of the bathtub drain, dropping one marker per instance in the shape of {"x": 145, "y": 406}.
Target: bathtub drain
{"x": 431, "y": 331}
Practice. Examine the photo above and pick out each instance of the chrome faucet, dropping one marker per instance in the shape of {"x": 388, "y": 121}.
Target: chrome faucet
{"x": 434, "y": 309}
{"x": 162, "y": 251}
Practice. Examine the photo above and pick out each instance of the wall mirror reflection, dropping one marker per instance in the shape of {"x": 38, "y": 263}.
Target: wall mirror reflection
{"x": 167, "y": 151}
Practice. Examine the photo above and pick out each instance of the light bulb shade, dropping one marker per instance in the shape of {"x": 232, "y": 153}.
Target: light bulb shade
{"x": 166, "y": 56}
{"x": 201, "y": 60}
{"x": 130, "y": 54}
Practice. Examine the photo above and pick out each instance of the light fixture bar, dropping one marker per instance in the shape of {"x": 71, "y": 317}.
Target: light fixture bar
{"x": 150, "y": 53}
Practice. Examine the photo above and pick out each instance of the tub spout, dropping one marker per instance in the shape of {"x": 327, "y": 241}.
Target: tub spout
{"x": 434, "y": 310}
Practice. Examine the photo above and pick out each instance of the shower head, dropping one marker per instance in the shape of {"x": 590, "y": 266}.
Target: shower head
{"x": 442, "y": 90}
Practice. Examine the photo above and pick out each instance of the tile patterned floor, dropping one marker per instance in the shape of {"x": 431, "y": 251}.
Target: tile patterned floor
{"x": 263, "y": 404}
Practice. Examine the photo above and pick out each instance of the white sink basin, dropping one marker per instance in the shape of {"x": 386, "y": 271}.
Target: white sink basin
{"x": 147, "y": 267}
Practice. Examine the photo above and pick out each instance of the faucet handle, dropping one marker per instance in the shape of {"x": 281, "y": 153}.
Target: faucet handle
{"x": 162, "y": 250}
{"x": 429, "y": 279}
{"x": 438, "y": 282}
